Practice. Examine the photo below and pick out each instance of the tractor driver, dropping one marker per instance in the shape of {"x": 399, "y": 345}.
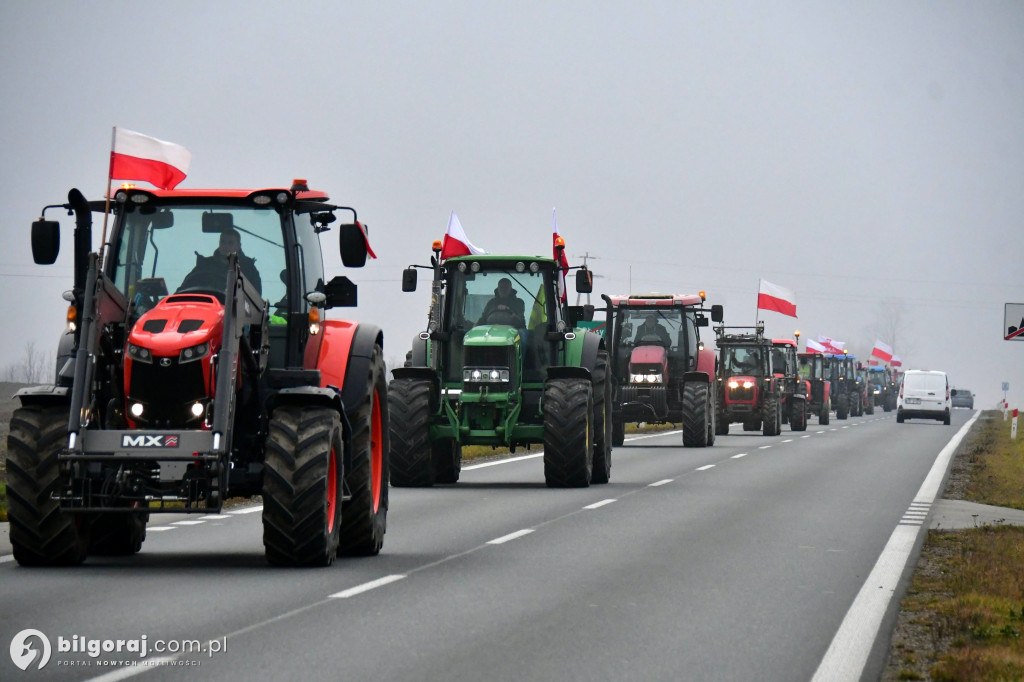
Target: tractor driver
{"x": 211, "y": 271}
{"x": 505, "y": 308}
{"x": 651, "y": 327}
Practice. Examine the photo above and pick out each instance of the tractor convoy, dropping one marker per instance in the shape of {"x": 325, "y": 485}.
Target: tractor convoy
{"x": 193, "y": 370}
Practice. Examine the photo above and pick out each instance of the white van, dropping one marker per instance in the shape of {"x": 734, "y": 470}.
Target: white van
{"x": 924, "y": 394}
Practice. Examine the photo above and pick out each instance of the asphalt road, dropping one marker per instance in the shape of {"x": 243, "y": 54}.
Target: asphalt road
{"x": 736, "y": 562}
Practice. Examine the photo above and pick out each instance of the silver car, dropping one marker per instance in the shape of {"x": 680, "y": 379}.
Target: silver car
{"x": 963, "y": 398}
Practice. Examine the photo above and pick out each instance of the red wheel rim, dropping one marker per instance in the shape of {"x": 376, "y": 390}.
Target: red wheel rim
{"x": 332, "y": 489}
{"x": 376, "y": 452}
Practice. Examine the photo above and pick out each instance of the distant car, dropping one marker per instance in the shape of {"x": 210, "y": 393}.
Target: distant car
{"x": 924, "y": 394}
{"x": 962, "y": 397}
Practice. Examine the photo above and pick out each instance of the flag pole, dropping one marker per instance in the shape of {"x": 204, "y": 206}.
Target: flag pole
{"x": 106, "y": 207}
{"x": 757, "y": 308}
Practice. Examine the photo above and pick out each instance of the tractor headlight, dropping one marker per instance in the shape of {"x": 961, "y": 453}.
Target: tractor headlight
{"x": 645, "y": 378}
{"x": 481, "y": 375}
{"x": 194, "y": 353}
{"x": 140, "y": 354}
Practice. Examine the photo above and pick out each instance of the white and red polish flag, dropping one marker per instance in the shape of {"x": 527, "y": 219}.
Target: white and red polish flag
{"x": 815, "y": 347}
{"x": 779, "y": 299}
{"x": 831, "y": 345}
{"x": 882, "y": 351}
{"x": 134, "y": 156}
{"x": 896, "y": 362}
{"x": 559, "y": 255}
{"x": 456, "y": 243}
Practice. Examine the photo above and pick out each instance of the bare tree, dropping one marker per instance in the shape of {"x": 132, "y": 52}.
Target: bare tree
{"x": 35, "y": 366}
{"x": 890, "y": 326}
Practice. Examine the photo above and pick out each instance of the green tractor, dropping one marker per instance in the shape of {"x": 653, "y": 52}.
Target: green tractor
{"x": 503, "y": 362}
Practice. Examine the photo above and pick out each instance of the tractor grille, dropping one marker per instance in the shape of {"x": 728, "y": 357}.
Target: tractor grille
{"x": 740, "y": 394}
{"x": 489, "y": 358}
{"x": 167, "y": 390}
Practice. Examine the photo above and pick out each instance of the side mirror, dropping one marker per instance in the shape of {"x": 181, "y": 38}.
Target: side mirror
{"x": 409, "y": 279}
{"x": 584, "y": 281}
{"x": 952, "y": 394}
{"x": 703, "y": 321}
{"x": 340, "y": 292}
{"x": 352, "y": 244}
{"x": 717, "y": 313}
{"x": 45, "y": 241}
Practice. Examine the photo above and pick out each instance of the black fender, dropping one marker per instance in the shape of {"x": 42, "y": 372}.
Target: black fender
{"x": 44, "y": 395}
{"x": 569, "y": 373}
{"x": 359, "y": 357}
{"x": 592, "y": 343}
{"x": 418, "y": 354}
{"x": 702, "y": 377}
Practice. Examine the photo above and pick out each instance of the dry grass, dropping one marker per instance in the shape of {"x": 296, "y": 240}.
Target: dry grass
{"x": 963, "y": 616}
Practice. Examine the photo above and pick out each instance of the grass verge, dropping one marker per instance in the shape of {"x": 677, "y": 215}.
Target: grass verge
{"x": 963, "y": 615}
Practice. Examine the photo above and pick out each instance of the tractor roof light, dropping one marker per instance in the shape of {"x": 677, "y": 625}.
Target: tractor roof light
{"x": 703, "y": 296}
{"x": 436, "y": 246}
{"x": 534, "y": 266}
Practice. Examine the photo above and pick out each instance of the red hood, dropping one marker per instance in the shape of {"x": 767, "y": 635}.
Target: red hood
{"x": 179, "y": 321}
{"x": 647, "y": 356}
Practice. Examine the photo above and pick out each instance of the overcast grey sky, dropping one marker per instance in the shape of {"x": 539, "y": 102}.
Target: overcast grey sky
{"x": 868, "y": 156}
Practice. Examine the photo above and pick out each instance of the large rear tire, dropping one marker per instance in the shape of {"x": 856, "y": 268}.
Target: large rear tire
{"x": 364, "y": 517}
{"x": 696, "y": 419}
{"x": 618, "y": 432}
{"x": 42, "y": 534}
{"x": 447, "y": 457}
{"x": 409, "y": 407}
{"x": 603, "y": 438}
{"x": 117, "y": 533}
{"x": 823, "y": 416}
{"x": 568, "y": 433}
{"x": 842, "y": 407}
{"x": 302, "y": 484}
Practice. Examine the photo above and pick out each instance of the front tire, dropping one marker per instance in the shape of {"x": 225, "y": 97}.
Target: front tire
{"x": 364, "y": 517}
{"x": 696, "y": 419}
{"x": 42, "y": 534}
{"x": 302, "y": 485}
{"x": 568, "y": 433}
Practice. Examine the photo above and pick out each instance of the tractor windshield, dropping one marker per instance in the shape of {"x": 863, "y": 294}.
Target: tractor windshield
{"x": 779, "y": 356}
{"x": 742, "y": 361}
{"x": 810, "y": 367}
{"x": 673, "y": 328}
{"x": 500, "y": 296}
{"x": 167, "y": 249}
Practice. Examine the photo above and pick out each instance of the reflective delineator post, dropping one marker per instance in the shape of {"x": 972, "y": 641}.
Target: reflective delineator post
{"x": 1013, "y": 429}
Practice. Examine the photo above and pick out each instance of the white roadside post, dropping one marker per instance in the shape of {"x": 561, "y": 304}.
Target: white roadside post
{"x": 1013, "y": 429}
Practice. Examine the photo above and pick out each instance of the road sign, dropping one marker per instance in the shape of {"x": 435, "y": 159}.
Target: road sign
{"x": 1006, "y": 386}
{"x": 1013, "y": 321}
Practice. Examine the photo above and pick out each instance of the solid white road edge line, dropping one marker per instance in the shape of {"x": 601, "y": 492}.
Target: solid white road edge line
{"x": 848, "y": 653}
{"x": 366, "y": 587}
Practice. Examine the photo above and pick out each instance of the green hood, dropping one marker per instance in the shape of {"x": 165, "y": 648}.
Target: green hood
{"x": 492, "y": 335}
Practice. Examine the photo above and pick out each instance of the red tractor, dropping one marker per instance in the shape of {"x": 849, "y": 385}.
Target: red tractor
{"x": 819, "y": 395}
{"x": 748, "y": 391}
{"x": 184, "y": 379}
{"x": 794, "y": 390}
{"x": 661, "y": 371}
